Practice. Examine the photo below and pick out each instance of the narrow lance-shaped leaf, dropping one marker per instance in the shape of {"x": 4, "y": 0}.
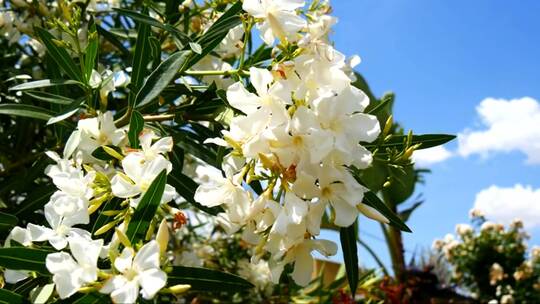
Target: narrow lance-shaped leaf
{"x": 49, "y": 97}
{"x": 375, "y": 202}
{"x": 146, "y": 209}
{"x": 7, "y": 221}
{"x": 142, "y": 18}
{"x": 136, "y": 125}
{"x": 141, "y": 58}
{"x": 161, "y": 77}
{"x": 207, "y": 279}
{"x": 91, "y": 50}
{"x": 425, "y": 141}
{"x": 347, "y": 236}
{"x": 10, "y": 297}
{"x": 60, "y": 55}
{"x": 43, "y": 84}
{"x": 67, "y": 112}
{"x": 23, "y": 258}
{"x": 28, "y": 111}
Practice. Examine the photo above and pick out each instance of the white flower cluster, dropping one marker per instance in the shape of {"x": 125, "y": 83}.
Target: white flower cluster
{"x": 84, "y": 183}
{"x": 298, "y": 134}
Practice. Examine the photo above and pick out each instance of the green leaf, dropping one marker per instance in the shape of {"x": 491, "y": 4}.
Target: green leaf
{"x": 28, "y": 111}
{"x": 153, "y": 22}
{"x": 7, "y": 221}
{"x": 73, "y": 108}
{"x": 43, "y": 84}
{"x": 102, "y": 219}
{"x": 112, "y": 39}
{"x": 9, "y": 297}
{"x": 136, "y": 125}
{"x": 374, "y": 201}
{"x": 186, "y": 187}
{"x": 49, "y": 97}
{"x": 92, "y": 298}
{"x": 402, "y": 184}
{"x": 406, "y": 214}
{"x": 140, "y": 59}
{"x": 23, "y": 258}
{"x": 202, "y": 279}
{"x": 60, "y": 55}
{"x": 147, "y": 208}
{"x": 347, "y": 236}
{"x": 90, "y": 54}
{"x": 161, "y": 77}
{"x": 426, "y": 141}
{"x": 101, "y": 154}
{"x": 385, "y": 101}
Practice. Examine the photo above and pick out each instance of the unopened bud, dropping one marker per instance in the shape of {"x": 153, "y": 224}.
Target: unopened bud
{"x": 162, "y": 236}
{"x": 180, "y": 288}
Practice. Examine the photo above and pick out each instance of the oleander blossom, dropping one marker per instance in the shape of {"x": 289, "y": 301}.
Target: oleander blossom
{"x": 298, "y": 135}
{"x": 85, "y": 181}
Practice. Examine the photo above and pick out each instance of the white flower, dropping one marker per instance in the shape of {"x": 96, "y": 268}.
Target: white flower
{"x": 71, "y": 272}
{"x": 139, "y": 175}
{"x": 463, "y": 229}
{"x": 279, "y": 18}
{"x": 137, "y": 272}
{"x": 303, "y": 261}
{"x": 222, "y": 191}
{"x": 69, "y": 177}
{"x": 496, "y": 274}
{"x": 231, "y": 44}
{"x": 23, "y": 237}
{"x": 61, "y": 227}
{"x": 94, "y": 132}
{"x": 152, "y": 151}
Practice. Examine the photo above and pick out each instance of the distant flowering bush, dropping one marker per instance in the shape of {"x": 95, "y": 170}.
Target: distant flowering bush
{"x": 491, "y": 261}
{"x": 154, "y": 107}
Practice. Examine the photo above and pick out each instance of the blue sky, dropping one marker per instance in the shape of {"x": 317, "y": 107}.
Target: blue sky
{"x": 442, "y": 58}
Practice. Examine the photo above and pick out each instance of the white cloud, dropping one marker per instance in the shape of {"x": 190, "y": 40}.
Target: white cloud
{"x": 510, "y": 125}
{"x": 502, "y": 205}
{"x": 427, "y": 157}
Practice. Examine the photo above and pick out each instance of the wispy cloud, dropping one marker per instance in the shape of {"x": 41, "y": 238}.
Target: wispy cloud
{"x": 508, "y": 125}
{"x": 428, "y": 157}
{"x": 503, "y": 205}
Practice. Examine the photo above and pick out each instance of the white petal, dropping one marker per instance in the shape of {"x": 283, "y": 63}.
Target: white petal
{"x": 60, "y": 261}
{"x": 303, "y": 266}
{"x": 324, "y": 247}
{"x": 126, "y": 294}
{"x": 148, "y": 256}
{"x": 241, "y": 99}
{"x": 163, "y": 145}
{"x": 345, "y": 213}
{"x": 254, "y": 8}
{"x": 72, "y": 143}
{"x": 66, "y": 285}
{"x": 40, "y": 233}
{"x": 86, "y": 252}
{"x": 124, "y": 261}
{"x": 151, "y": 282}
{"x": 113, "y": 284}
{"x": 122, "y": 187}
{"x": 15, "y": 276}
{"x": 59, "y": 242}
{"x": 260, "y": 79}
